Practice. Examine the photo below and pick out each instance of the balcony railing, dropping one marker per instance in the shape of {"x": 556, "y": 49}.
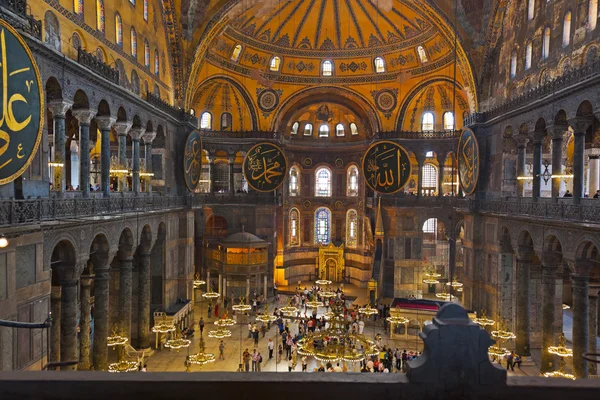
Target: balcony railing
{"x": 173, "y": 111}
{"x": 423, "y": 201}
{"x": 11, "y": 8}
{"x": 18, "y": 7}
{"x": 237, "y": 198}
{"x": 589, "y": 211}
{"x": 90, "y": 61}
{"x": 418, "y": 135}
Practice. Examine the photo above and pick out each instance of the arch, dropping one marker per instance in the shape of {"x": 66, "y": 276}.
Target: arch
{"x": 52, "y": 31}
{"x": 552, "y": 244}
{"x": 351, "y": 228}
{"x": 525, "y": 239}
{"x": 324, "y": 130}
{"x": 64, "y": 253}
{"x": 136, "y": 122}
{"x": 429, "y": 175}
{"x": 352, "y": 176}
{"x": 308, "y": 129}
{"x": 585, "y": 109}
{"x": 322, "y": 225}
{"x": 53, "y": 89}
{"x": 216, "y": 226}
{"x": 294, "y": 183}
{"x": 206, "y": 120}
{"x": 448, "y": 121}
{"x": 339, "y": 130}
{"x": 146, "y": 238}
{"x": 80, "y": 100}
{"x": 353, "y": 129}
{"x": 428, "y": 122}
{"x": 294, "y": 238}
{"x": 103, "y": 109}
{"x": 327, "y": 68}
{"x": 295, "y": 126}
{"x": 226, "y": 121}
{"x": 587, "y": 250}
{"x": 323, "y": 177}
{"x": 121, "y": 115}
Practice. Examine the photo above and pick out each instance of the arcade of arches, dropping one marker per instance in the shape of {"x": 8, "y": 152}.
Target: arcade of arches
{"x": 105, "y": 234}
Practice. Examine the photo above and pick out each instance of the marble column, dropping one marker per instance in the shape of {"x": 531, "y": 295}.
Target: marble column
{"x": 101, "y": 314}
{"x": 594, "y": 168}
{"x": 580, "y": 324}
{"x": 441, "y": 161}
{"x": 136, "y": 135}
{"x": 522, "y": 344}
{"x": 265, "y": 292}
{"x": 231, "y": 161}
{"x": 549, "y": 269}
{"x": 593, "y": 326}
{"x": 211, "y": 173}
{"x": 59, "y": 108}
{"x": 68, "y": 323}
{"x": 122, "y": 128}
{"x": 55, "y": 302}
{"x": 105, "y": 124}
{"x": 148, "y": 139}
{"x": 420, "y": 162}
{"x": 144, "y": 299}
{"x": 85, "y": 323}
{"x": 580, "y": 126}
{"x": 451, "y": 258}
{"x": 248, "y": 291}
{"x": 208, "y": 285}
{"x": 220, "y": 284}
{"x": 521, "y": 159}
{"x": 537, "y": 165}
{"x": 84, "y": 117}
{"x": 125, "y": 294}
{"x": 557, "y": 169}
{"x": 224, "y": 294}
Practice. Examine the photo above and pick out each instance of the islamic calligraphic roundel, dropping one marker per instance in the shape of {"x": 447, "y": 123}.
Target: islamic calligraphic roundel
{"x": 22, "y": 105}
{"x": 192, "y": 160}
{"x": 268, "y": 100}
{"x": 386, "y": 167}
{"x": 468, "y": 161}
{"x": 265, "y": 167}
{"x": 385, "y": 100}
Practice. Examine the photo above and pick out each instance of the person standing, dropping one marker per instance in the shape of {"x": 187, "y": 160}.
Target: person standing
{"x": 221, "y": 350}
{"x": 254, "y": 360}
{"x": 290, "y": 364}
{"x": 398, "y": 357}
{"x": 255, "y": 334}
{"x": 259, "y": 361}
{"x": 246, "y": 357}
{"x": 201, "y": 324}
{"x": 279, "y": 353}
{"x": 404, "y": 359}
{"x": 304, "y": 364}
{"x": 271, "y": 346}
{"x": 217, "y": 310}
{"x": 509, "y": 361}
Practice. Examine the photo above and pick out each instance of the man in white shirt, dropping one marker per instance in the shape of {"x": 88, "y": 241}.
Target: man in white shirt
{"x": 361, "y": 327}
{"x": 337, "y": 368}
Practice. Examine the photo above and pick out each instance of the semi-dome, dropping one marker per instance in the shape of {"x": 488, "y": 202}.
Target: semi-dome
{"x": 243, "y": 238}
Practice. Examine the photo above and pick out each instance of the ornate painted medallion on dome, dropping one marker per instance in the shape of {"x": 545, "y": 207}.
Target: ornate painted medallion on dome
{"x": 386, "y": 167}
{"x": 264, "y": 167}
{"x": 468, "y": 161}
{"x": 192, "y": 160}
{"x": 22, "y": 105}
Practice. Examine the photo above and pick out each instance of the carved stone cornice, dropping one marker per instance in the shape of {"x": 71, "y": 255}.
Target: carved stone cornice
{"x": 149, "y": 137}
{"x": 122, "y": 128}
{"x": 84, "y": 116}
{"x": 105, "y": 122}
{"x": 136, "y": 133}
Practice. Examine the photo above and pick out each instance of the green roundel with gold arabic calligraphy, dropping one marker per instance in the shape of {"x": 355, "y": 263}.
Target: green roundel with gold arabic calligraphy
{"x": 22, "y": 103}
{"x": 386, "y": 167}
{"x": 265, "y": 167}
{"x": 468, "y": 161}
{"x": 192, "y": 160}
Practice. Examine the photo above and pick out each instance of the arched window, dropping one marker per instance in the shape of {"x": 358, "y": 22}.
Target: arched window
{"x": 427, "y": 122}
{"x": 530, "y": 9}
{"x": 351, "y": 228}
{"x": 294, "y": 227}
{"x": 339, "y": 130}
{"x": 327, "y": 68}
{"x": 100, "y": 15}
{"x": 379, "y": 65}
{"x": 76, "y": 41}
{"x": 295, "y": 128}
{"x": 324, "y": 131}
{"x": 119, "y": 29}
{"x": 422, "y": 54}
{"x": 352, "y": 181}
{"x": 430, "y": 179}
{"x": 237, "y": 50}
{"x": 308, "y": 130}
{"x": 132, "y": 2}
{"x": 448, "y": 121}
{"x": 100, "y": 54}
{"x": 275, "y": 63}
{"x": 323, "y": 182}
{"x": 294, "y": 187}
{"x": 78, "y": 7}
{"x": 353, "y": 129}
{"x": 546, "y": 44}
{"x": 322, "y": 225}
{"x": 156, "y": 62}
{"x": 513, "y": 64}
{"x": 192, "y": 111}
{"x": 430, "y": 226}
{"x": 567, "y": 29}
{"x": 592, "y": 14}
{"x": 528, "y": 55}
{"x": 146, "y": 53}
{"x": 226, "y": 121}
{"x": 146, "y": 10}
{"x": 133, "y": 42}
{"x": 52, "y": 32}
{"x": 206, "y": 120}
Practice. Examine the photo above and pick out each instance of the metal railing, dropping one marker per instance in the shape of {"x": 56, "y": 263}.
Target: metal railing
{"x": 237, "y": 198}
{"x": 92, "y": 62}
{"x": 562, "y": 210}
{"x": 173, "y": 111}
{"x": 419, "y": 135}
{"x": 15, "y": 13}
{"x": 424, "y": 201}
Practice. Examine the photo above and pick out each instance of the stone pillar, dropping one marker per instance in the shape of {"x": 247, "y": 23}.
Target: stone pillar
{"x": 549, "y": 269}
{"x": 521, "y": 158}
{"x": 220, "y": 284}
{"x": 451, "y": 257}
{"x": 224, "y": 294}
{"x": 557, "y": 169}
{"x": 84, "y": 323}
{"x": 231, "y": 161}
{"x": 265, "y": 291}
{"x": 84, "y": 117}
{"x": 59, "y": 108}
{"x": 593, "y": 326}
{"x": 144, "y": 299}
{"x": 594, "y": 174}
{"x": 122, "y": 128}
{"x": 105, "y": 123}
{"x": 148, "y": 138}
{"x": 101, "y": 313}
{"x": 421, "y": 162}
{"x": 522, "y": 344}
{"x": 136, "y": 135}
{"x": 55, "y": 302}
{"x": 247, "y": 290}
{"x": 580, "y": 126}
{"x": 580, "y": 324}
{"x": 208, "y": 287}
{"x": 211, "y": 172}
{"x": 537, "y": 165}
{"x": 441, "y": 161}
{"x": 68, "y": 323}
{"x": 125, "y": 288}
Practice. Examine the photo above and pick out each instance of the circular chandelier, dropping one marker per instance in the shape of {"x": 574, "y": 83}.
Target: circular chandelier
{"x": 201, "y": 358}
{"x": 483, "y": 321}
{"x": 177, "y": 343}
{"x": 454, "y": 284}
{"x": 444, "y": 296}
{"x": 327, "y": 294}
{"x": 561, "y": 350}
{"x": 498, "y": 351}
{"x": 368, "y": 310}
{"x": 210, "y": 295}
{"x": 289, "y": 309}
{"x": 314, "y": 304}
{"x": 122, "y": 366}
{"x": 115, "y": 339}
{"x": 265, "y": 316}
{"x": 198, "y": 282}
{"x": 561, "y": 372}
{"x": 502, "y": 333}
{"x": 241, "y": 306}
{"x": 397, "y": 320}
{"x": 163, "y": 326}
{"x": 324, "y": 282}
{"x": 220, "y": 333}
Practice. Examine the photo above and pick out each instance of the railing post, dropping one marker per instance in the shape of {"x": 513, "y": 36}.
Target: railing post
{"x": 39, "y": 203}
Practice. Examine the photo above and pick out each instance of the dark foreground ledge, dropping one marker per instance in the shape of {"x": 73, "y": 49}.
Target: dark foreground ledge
{"x": 55, "y": 385}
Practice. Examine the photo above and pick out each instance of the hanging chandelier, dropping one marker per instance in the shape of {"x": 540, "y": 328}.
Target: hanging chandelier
{"x": 265, "y": 316}
{"x": 177, "y": 343}
{"x": 242, "y": 306}
{"x": 323, "y": 282}
{"x": 561, "y": 350}
{"x": 502, "y": 333}
{"x": 122, "y": 366}
{"x": 561, "y": 371}
{"x": 368, "y": 310}
{"x": 163, "y": 326}
{"x": 455, "y": 284}
{"x": 327, "y": 294}
{"x": 397, "y": 320}
{"x": 289, "y": 309}
{"x": 314, "y": 304}
{"x": 198, "y": 282}
{"x": 222, "y": 331}
{"x": 115, "y": 339}
{"x": 201, "y": 358}
{"x": 210, "y": 295}
{"x": 483, "y": 321}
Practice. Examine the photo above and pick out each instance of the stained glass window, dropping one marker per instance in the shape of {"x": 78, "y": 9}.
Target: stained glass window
{"x": 156, "y": 63}
{"x": 351, "y": 228}
{"x": 352, "y": 184}
{"x": 308, "y": 130}
{"x": 530, "y": 10}
{"x": 100, "y": 15}
{"x": 339, "y": 130}
{"x": 294, "y": 226}
{"x": 593, "y": 14}
{"x": 430, "y": 226}
{"x": 78, "y": 7}
{"x": 294, "y": 181}
{"x": 546, "y": 44}
{"x": 119, "y": 29}
{"x": 513, "y": 64}
{"x": 322, "y": 225}
{"x": 429, "y": 176}
{"x": 528, "y": 55}
{"x": 146, "y": 10}
{"x": 146, "y": 53}
{"x": 226, "y": 120}
{"x": 567, "y": 29}
{"x": 133, "y": 42}
{"x": 323, "y": 182}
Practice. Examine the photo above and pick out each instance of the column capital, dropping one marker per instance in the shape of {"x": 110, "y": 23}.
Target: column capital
{"x": 105, "y": 122}
{"x": 580, "y": 280}
{"x": 551, "y": 259}
{"x": 521, "y": 141}
{"x": 122, "y": 128}
{"x": 557, "y": 130}
{"x": 86, "y": 280}
{"x": 524, "y": 254}
{"x": 84, "y": 116}
{"x": 538, "y": 136}
{"x": 59, "y": 107}
{"x": 136, "y": 133}
{"x": 231, "y": 160}
{"x": 580, "y": 124}
{"x": 149, "y": 137}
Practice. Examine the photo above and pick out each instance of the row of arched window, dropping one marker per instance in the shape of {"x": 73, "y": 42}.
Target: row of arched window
{"x": 327, "y": 69}
{"x": 322, "y": 224}
{"x": 206, "y": 120}
{"x": 428, "y": 121}
{"x": 324, "y": 129}
{"x": 323, "y": 178}
{"x": 592, "y": 21}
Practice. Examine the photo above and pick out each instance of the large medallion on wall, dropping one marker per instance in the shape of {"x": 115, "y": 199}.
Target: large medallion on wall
{"x": 265, "y": 167}
{"x": 22, "y": 113}
{"x": 268, "y": 99}
{"x": 468, "y": 161}
{"x": 386, "y": 167}
{"x": 192, "y": 160}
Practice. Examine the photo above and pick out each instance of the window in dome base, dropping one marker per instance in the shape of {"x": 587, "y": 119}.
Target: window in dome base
{"x": 379, "y": 65}
{"x": 206, "y": 121}
{"x": 275, "y": 63}
{"x": 323, "y": 131}
{"x": 427, "y": 123}
{"x": 339, "y": 130}
{"x": 327, "y": 68}
{"x": 237, "y": 50}
{"x": 308, "y": 130}
{"x": 294, "y": 128}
